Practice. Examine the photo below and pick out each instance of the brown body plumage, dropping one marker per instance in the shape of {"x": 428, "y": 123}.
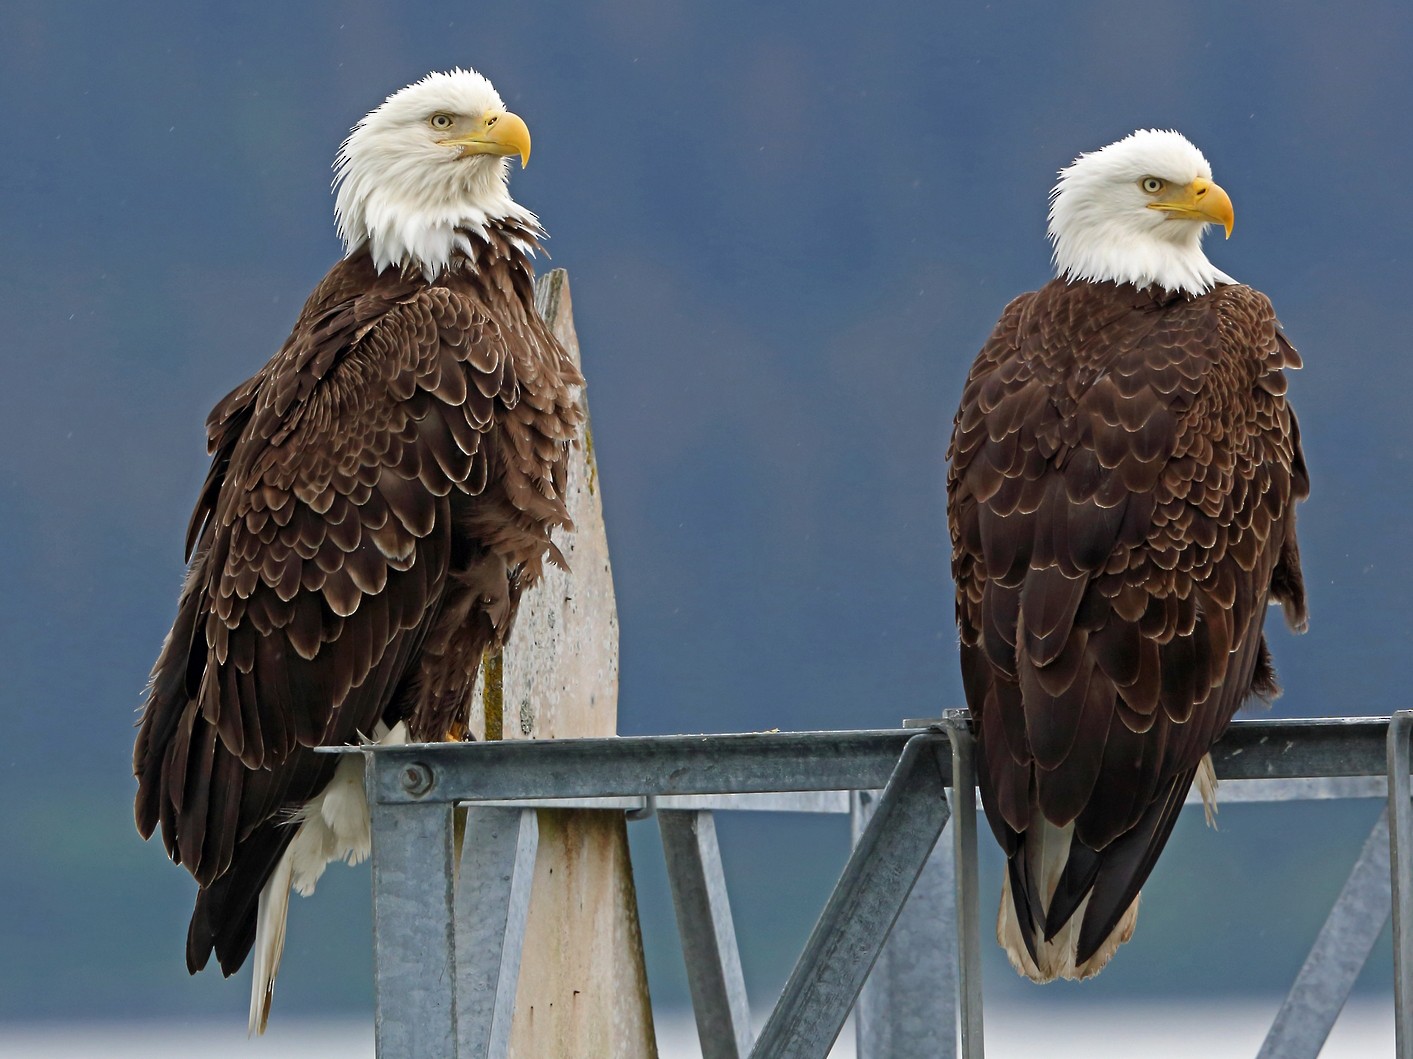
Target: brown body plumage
{"x": 1121, "y": 505}
{"x": 380, "y": 495}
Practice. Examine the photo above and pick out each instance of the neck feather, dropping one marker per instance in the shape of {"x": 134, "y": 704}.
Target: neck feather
{"x": 415, "y": 222}
{"x": 1101, "y": 250}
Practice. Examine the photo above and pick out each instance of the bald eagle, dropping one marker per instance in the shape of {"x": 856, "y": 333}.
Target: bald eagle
{"x": 381, "y": 493}
{"x": 1124, "y": 471}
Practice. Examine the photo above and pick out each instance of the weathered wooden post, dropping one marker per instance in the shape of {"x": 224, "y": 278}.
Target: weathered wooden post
{"x": 583, "y": 989}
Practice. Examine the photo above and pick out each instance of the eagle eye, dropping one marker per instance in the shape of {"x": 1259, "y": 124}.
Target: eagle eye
{"x": 441, "y": 121}
{"x": 1151, "y": 184}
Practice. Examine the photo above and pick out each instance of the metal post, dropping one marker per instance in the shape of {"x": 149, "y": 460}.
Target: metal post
{"x": 908, "y": 1006}
{"x": 492, "y": 904}
{"x": 1340, "y": 951}
{"x": 708, "y": 936}
{"x": 414, "y": 952}
{"x": 963, "y": 796}
{"x": 861, "y": 910}
{"x": 1401, "y": 878}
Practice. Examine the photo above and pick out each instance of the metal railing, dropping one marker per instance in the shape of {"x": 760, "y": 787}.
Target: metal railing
{"x": 447, "y": 934}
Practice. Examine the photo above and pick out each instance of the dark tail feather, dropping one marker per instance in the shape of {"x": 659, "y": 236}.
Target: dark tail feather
{"x": 1124, "y": 866}
{"x": 223, "y": 920}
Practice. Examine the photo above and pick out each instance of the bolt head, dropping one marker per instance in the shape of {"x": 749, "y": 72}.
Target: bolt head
{"x": 417, "y": 779}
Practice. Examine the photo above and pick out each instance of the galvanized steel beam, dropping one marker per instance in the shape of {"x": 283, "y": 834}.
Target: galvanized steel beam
{"x": 970, "y": 1023}
{"x": 414, "y": 951}
{"x": 1340, "y": 951}
{"x": 1325, "y": 746}
{"x": 800, "y": 761}
{"x": 1401, "y": 877}
{"x": 1294, "y": 789}
{"x": 492, "y": 903}
{"x": 708, "y": 936}
{"x": 642, "y": 807}
{"x": 1232, "y": 792}
{"x": 639, "y": 765}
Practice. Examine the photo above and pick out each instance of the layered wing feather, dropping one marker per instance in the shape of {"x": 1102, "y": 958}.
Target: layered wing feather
{"x": 379, "y": 494}
{"x": 1123, "y": 473}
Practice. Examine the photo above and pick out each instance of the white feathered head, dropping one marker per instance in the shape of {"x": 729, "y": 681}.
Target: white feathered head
{"x": 432, "y": 159}
{"x": 1134, "y": 212}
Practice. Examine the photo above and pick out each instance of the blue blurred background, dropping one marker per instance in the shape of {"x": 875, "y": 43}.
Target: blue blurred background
{"x": 789, "y": 228}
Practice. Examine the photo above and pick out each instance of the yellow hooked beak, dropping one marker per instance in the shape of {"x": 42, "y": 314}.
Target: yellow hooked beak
{"x": 499, "y": 133}
{"x": 1202, "y": 200}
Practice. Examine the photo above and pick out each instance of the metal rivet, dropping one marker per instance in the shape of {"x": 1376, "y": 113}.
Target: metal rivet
{"x": 417, "y": 779}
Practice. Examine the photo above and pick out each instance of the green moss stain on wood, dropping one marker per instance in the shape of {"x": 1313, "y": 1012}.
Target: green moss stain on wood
{"x": 589, "y": 461}
{"x": 494, "y": 696}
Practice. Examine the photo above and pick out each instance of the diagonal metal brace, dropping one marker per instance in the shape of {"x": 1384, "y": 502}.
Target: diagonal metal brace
{"x": 1341, "y": 949}
{"x": 908, "y": 1006}
{"x": 865, "y": 903}
{"x": 708, "y": 936}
